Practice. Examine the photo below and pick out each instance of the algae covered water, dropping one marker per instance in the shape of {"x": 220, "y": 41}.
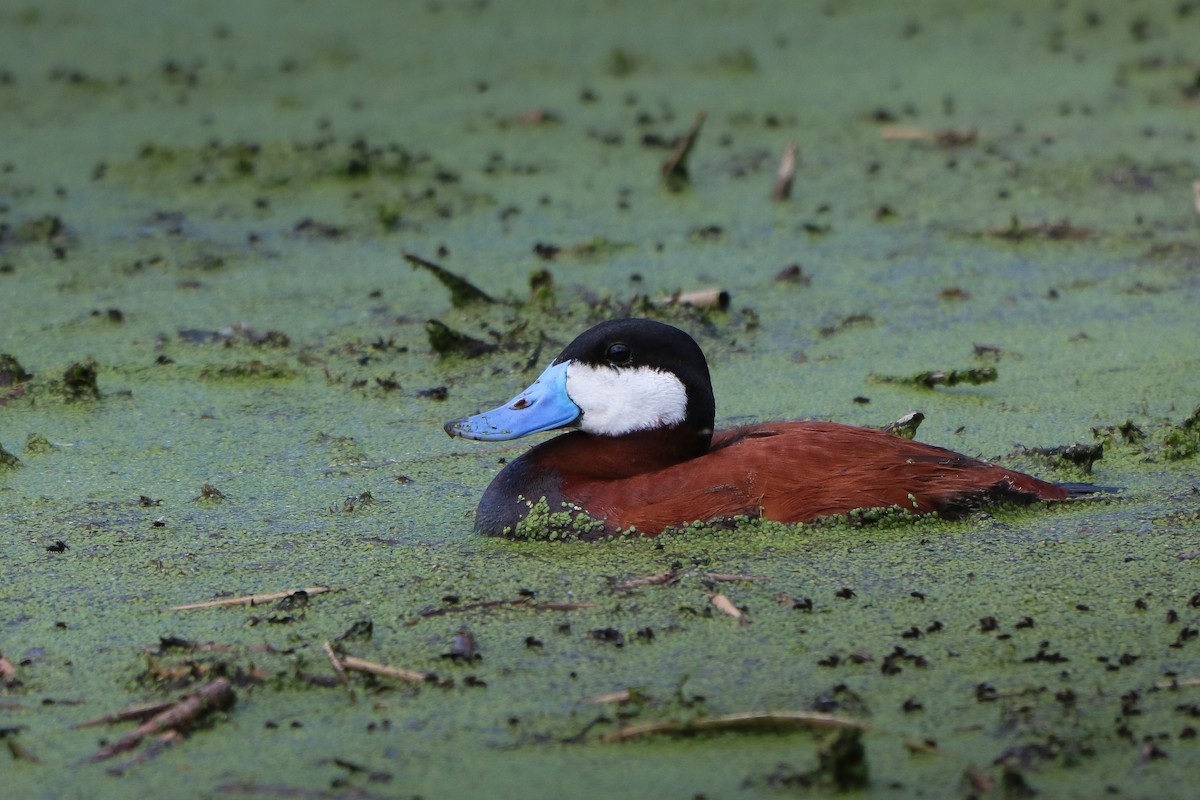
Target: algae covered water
{"x": 223, "y": 378}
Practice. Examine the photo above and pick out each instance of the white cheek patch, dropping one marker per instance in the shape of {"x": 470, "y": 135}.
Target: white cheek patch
{"x": 619, "y": 401}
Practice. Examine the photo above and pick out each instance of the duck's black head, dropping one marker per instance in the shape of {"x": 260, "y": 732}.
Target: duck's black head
{"x": 619, "y": 377}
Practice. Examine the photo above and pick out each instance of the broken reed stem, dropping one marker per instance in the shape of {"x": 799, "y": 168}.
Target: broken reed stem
{"x": 742, "y": 721}
{"x": 138, "y": 712}
{"x": 339, "y": 669}
{"x": 675, "y": 169}
{"x": 729, "y": 577}
{"x": 362, "y": 665}
{"x": 152, "y": 750}
{"x": 649, "y": 580}
{"x": 787, "y": 173}
{"x": 216, "y": 695}
{"x": 623, "y": 696}
{"x": 253, "y": 599}
{"x": 700, "y": 298}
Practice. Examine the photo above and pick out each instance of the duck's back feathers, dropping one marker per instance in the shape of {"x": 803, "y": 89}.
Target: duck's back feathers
{"x": 789, "y": 472}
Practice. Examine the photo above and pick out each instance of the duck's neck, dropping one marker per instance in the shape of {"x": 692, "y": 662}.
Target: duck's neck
{"x": 612, "y": 457}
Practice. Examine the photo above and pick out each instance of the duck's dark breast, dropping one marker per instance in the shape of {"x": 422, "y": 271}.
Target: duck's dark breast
{"x": 507, "y": 499}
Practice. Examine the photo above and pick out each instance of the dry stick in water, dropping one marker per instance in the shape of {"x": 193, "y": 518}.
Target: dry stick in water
{"x": 138, "y": 712}
{"x": 649, "y": 580}
{"x": 339, "y": 669}
{"x": 729, "y": 577}
{"x": 743, "y": 721}
{"x": 787, "y": 173}
{"x": 362, "y": 665}
{"x": 700, "y": 298}
{"x": 214, "y": 696}
{"x": 253, "y": 599}
{"x": 675, "y": 169}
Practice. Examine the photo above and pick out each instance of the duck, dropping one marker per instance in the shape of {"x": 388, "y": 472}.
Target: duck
{"x": 640, "y": 454}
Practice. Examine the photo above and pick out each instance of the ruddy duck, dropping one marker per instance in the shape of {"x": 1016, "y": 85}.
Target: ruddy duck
{"x": 644, "y": 457}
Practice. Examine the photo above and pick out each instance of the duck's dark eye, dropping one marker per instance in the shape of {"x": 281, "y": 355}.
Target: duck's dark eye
{"x": 619, "y": 354}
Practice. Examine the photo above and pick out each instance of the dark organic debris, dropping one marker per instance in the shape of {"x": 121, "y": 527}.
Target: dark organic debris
{"x": 248, "y": 370}
{"x": 608, "y": 636}
{"x": 231, "y": 335}
{"x": 462, "y": 648}
{"x": 942, "y": 138}
{"x": 320, "y": 230}
{"x": 1183, "y": 440}
{"x": 11, "y": 371}
{"x": 932, "y": 378}
{"x": 793, "y": 273}
{"x": 361, "y": 631}
{"x": 209, "y": 494}
{"x": 8, "y": 461}
{"x": 596, "y": 247}
{"x": 1081, "y": 455}
{"x": 1015, "y": 231}
{"x": 215, "y": 696}
{"x": 462, "y": 292}
{"x": 79, "y": 381}
{"x": 446, "y": 341}
{"x": 842, "y": 762}
{"x": 675, "y": 169}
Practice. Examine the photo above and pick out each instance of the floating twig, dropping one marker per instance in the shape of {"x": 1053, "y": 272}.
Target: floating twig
{"x": 254, "y": 599}
{"x": 675, "y": 168}
{"x": 1015, "y": 231}
{"x": 786, "y": 174}
{"x": 942, "y": 138}
{"x": 553, "y": 606}
{"x": 164, "y": 740}
{"x": 383, "y": 670}
{"x": 462, "y": 292}
{"x": 701, "y": 298}
{"x": 1196, "y": 195}
{"x": 623, "y": 696}
{"x": 339, "y": 669}
{"x": 140, "y": 712}
{"x": 650, "y": 580}
{"x": 217, "y": 695}
{"x": 1177, "y": 683}
{"x": 906, "y": 426}
{"x": 523, "y": 602}
{"x": 729, "y": 577}
{"x": 19, "y": 752}
{"x": 742, "y": 721}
